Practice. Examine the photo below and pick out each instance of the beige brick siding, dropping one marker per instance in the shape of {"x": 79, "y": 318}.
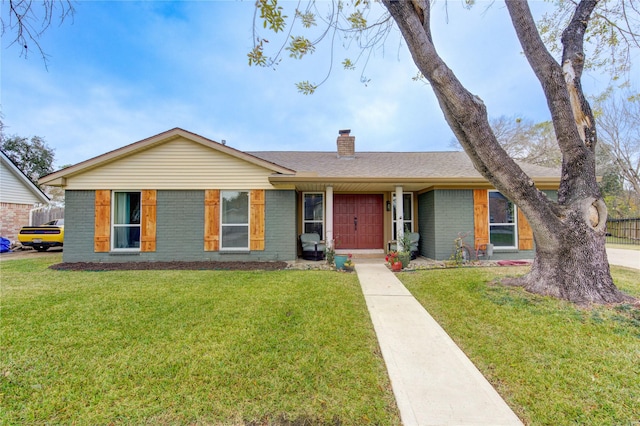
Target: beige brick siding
{"x": 12, "y": 218}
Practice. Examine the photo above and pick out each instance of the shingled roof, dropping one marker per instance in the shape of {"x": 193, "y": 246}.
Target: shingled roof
{"x": 413, "y": 165}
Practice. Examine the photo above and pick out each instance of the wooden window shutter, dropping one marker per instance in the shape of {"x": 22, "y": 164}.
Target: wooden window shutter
{"x": 525, "y": 233}
{"x": 480, "y": 216}
{"x": 257, "y": 220}
{"x": 102, "y": 221}
{"x": 211, "y": 220}
{"x": 148, "y": 220}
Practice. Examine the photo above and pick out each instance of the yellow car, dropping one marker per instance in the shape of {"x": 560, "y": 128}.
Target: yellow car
{"x": 42, "y": 237}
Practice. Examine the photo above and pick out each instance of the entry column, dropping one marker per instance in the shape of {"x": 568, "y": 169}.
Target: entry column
{"x": 329, "y": 216}
{"x": 399, "y": 217}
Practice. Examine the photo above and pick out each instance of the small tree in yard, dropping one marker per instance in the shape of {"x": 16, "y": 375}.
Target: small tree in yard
{"x": 570, "y": 260}
{"x": 32, "y": 156}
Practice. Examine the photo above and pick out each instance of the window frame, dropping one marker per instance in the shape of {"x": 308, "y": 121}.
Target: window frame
{"x": 514, "y": 224}
{"x": 236, "y": 225}
{"x": 322, "y": 221}
{"x": 114, "y": 226}
{"x": 404, "y": 221}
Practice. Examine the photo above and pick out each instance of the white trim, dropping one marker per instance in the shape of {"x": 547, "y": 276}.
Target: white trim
{"x": 113, "y": 224}
{"x": 324, "y": 212}
{"x": 329, "y": 216}
{"x": 411, "y": 221}
{"x": 514, "y": 223}
{"x": 248, "y": 224}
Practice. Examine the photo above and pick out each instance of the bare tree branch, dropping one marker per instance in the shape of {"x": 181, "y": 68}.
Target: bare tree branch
{"x": 26, "y": 21}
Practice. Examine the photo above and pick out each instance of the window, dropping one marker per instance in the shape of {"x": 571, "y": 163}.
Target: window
{"x": 502, "y": 221}
{"x": 407, "y": 214}
{"x": 313, "y": 219}
{"x": 126, "y": 221}
{"x": 234, "y": 220}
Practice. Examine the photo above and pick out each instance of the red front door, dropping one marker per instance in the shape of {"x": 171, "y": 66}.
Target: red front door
{"x": 358, "y": 221}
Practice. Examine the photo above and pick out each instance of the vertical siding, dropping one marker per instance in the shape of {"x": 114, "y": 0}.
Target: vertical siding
{"x": 480, "y": 217}
{"x": 102, "y": 221}
{"x": 148, "y": 221}
{"x": 211, "y": 220}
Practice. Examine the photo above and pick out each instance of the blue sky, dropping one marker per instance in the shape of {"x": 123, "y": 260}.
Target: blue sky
{"x": 122, "y": 71}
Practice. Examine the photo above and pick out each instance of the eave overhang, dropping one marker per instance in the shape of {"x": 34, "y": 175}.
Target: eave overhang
{"x": 386, "y": 184}
{"x": 59, "y": 178}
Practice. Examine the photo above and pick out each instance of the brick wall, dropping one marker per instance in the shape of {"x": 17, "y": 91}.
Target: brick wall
{"x": 453, "y": 214}
{"x": 427, "y": 224}
{"x": 78, "y": 226}
{"x": 180, "y": 229}
{"x": 12, "y": 218}
{"x": 281, "y": 227}
{"x": 346, "y": 144}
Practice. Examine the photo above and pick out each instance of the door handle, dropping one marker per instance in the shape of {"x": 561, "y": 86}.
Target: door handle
{"x": 355, "y": 223}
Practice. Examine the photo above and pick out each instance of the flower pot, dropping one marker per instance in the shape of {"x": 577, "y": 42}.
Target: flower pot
{"x": 349, "y": 268}
{"x": 396, "y": 267}
{"x": 339, "y": 261}
{"x": 405, "y": 258}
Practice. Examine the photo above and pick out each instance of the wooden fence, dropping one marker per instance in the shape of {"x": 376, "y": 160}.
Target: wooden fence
{"x": 45, "y": 214}
{"x": 623, "y": 231}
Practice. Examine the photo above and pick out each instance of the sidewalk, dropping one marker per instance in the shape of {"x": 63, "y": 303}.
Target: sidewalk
{"x": 622, "y": 257}
{"x": 433, "y": 381}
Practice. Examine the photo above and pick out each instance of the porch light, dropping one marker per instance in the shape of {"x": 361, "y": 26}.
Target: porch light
{"x": 388, "y": 205}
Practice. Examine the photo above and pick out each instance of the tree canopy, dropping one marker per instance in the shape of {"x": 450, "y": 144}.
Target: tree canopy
{"x": 570, "y": 257}
{"x": 31, "y": 155}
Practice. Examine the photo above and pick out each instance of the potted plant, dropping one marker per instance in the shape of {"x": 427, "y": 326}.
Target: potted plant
{"x": 404, "y": 253}
{"x": 348, "y": 264}
{"x": 394, "y": 261}
{"x": 330, "y": 254}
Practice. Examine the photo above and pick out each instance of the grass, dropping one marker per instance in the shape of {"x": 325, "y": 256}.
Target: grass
{"x": 187, "y": 347}
{"x": 554, "y": 363}
{"x": 622, "y": 246}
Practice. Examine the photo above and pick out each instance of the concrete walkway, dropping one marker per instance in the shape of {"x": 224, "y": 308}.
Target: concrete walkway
{"x": 433, "y": 381}
{"x": 622, "y": 257}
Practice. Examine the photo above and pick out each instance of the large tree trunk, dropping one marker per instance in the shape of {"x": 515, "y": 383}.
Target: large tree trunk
{"x": 570, "y": 261}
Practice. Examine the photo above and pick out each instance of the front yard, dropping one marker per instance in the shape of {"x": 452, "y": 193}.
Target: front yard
{"x": 552, "y": 362}
{"x": 187, "y": 347}
{"x": 291, "y": 347}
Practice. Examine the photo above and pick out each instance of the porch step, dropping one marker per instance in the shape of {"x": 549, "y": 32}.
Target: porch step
{"x": 363, "y": 254}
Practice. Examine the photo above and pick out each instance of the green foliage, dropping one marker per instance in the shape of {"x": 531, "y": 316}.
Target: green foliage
{"x": 256, "y": 55}
{"x": 348, "y": 21}
{"x": 553, "y": 362}
{"x": 306, "y": 88}
{"x": 188, "y": 347}
{"x": 308, "y": 18}
{"x": 611, "y": 34}
{"x": 357, "y": 20}
{"x": 299, "y": 47}
{"x": 32, "y": 156}
{"x": 348, "y": 64}
{"x": 271, "y": 14}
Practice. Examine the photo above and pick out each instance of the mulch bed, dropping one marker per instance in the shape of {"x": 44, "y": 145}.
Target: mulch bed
{"x": 155, "y": 266}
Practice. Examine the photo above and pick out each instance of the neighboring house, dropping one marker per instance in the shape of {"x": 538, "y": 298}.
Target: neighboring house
{"x": 180, "y": 196}
{"x": 18, "y": 195}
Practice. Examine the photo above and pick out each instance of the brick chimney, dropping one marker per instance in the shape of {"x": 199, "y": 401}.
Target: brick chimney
{"x": 346, "y": 144}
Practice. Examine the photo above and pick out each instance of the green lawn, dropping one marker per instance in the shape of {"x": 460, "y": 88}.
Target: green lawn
{"x": 187, "y": 347}
{"x": 554, "y": 363}
{"x": 623, "y": 246}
